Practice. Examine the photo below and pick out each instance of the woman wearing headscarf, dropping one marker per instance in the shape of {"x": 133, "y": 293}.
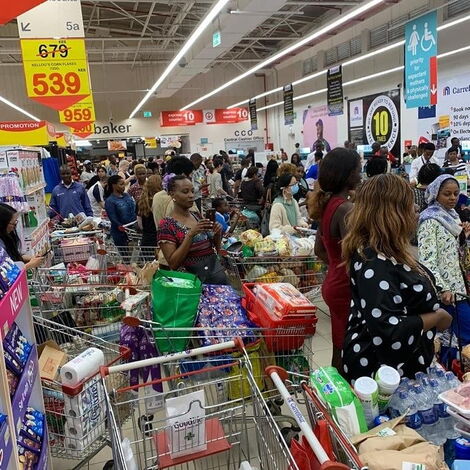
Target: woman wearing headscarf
{"x": 440, "y": 236}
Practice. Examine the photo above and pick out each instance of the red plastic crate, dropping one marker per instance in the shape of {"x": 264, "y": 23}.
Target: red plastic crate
{"x": 280, "y": 334}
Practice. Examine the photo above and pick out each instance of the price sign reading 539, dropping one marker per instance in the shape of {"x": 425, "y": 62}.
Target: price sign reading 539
{"x": 56, "y": 71}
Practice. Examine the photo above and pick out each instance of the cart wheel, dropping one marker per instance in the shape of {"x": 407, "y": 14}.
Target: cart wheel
{"x": 290, "y": 433}
{"x": 109, "y": 465}
{"x": 275, "y": 406}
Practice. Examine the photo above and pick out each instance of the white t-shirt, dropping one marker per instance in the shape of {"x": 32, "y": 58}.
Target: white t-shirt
{"x": 96, "y": 195}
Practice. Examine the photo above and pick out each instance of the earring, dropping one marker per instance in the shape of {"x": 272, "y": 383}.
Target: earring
{"x": 174, "y": 200}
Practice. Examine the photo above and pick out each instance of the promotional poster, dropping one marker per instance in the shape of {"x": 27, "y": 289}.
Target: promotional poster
{"x": 320, "y": 127}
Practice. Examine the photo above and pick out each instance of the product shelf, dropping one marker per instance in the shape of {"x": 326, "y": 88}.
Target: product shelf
{"x": 12, "y": 304}
{"x": 6, "y": 446}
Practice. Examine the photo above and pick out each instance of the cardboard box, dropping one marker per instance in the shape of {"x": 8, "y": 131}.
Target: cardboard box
{"x": 51, "y": 358}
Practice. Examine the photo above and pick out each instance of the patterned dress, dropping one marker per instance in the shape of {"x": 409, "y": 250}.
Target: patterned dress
{"x": 384, "y": 327}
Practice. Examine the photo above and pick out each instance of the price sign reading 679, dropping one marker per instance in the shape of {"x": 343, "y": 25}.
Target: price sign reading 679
{"x": 56, "y": 71}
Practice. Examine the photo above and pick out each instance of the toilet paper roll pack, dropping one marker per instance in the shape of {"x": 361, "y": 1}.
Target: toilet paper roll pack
{"x": 84, "y": 365}
{"x": 90, "y": 401}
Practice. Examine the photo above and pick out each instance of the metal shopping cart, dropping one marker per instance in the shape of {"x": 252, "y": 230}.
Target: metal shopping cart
{"x": 91, "y": 300}
{"x": 306, "y": 273}
{"x": 76, "y": 416}
{"x": 330, "y": 447}
{"x": 209, "y": 430}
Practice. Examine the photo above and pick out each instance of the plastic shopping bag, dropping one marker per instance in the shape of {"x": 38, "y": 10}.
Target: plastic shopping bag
{"x": 175, "y": 300}
{"x": 186, "y": 424}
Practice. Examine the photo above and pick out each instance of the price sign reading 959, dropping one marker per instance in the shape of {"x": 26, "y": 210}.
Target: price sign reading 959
{"x": 79, "y": 115}
{"x": 56, "y": 71}
{"x": 382, "y": 122}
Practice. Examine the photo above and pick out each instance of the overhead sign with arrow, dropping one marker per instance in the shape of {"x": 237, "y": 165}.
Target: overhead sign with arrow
{"x": 11, "y": 9}
{"x": 421, "y": 61}
{"x": 52, "y": 19}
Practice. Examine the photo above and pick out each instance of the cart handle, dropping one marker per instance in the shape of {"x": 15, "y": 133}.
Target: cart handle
{"x": 278, "y": 376}
{"x": 235, "y": 343}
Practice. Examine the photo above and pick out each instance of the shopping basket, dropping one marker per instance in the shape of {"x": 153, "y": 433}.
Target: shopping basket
{"x": 76, "y": 416}
{"x": 284, "y": 333}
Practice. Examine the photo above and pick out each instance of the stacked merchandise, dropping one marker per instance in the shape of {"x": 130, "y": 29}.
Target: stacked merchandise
{"x": 9, "y": 273}
{"x": 30, "y": 439}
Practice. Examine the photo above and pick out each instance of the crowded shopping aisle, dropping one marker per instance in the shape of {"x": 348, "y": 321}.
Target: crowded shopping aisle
{"x": 234, "y": 235}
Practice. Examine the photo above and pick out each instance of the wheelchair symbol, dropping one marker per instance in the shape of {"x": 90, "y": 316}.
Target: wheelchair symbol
{"x": 428, "y": 38}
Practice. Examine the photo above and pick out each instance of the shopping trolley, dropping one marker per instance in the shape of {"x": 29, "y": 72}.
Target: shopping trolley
{"x": 306, "y": 273}
{"x": 76, "y": 416}
{"x": 328, "y": 447}
{"x": 222, "y": 435}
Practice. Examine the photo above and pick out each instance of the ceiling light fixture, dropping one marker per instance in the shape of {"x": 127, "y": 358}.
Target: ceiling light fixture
{"x": 355, "y": 60}
{"x": 21, "y": 110}
{"x": 211, "y": 15}
{"x": 288, "y": 50}
{"x": 363, "y": 79}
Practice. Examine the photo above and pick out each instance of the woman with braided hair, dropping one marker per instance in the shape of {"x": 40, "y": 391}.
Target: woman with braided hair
{"x": 339, "y": 173}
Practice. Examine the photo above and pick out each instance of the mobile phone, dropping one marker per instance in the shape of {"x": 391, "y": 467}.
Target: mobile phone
{"x": 210, "y": 215}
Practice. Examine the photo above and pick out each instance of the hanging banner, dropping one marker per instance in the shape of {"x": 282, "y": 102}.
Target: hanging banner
{"x": 150, "y": 143}
{"x": 449, "y": 118}
{"x": 253, "y": 115}
{"x": 288, "y": 105}
{"x": 84, "y": 132}
{"x": 376, "y": 118}
{"x": 421, "y": 61}
{"x": 27, "y": 133}
{"x": 319, "y": 128}
{"x": 335, "y": 98}
{"x": 56, "y": 71}
{"x": 57, "y": 19}
{"x": 180, "y": 118}
{"x": 225, "y": 116}
{"x": 79, "y": 115}
{"x": 11, "y": 9}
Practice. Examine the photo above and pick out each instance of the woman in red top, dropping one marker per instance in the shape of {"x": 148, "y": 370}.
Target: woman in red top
{"x": 338, "y": 175}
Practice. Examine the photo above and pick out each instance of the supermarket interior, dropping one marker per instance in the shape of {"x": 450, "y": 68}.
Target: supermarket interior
{"x": 235, "y": 234}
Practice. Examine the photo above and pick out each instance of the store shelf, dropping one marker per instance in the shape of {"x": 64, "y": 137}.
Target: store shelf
{"x": 12, "y": 303}
{"x": 6, "y": 446}
{"x": 25, "y": 387}
{"x": 43, "y": 458}
{"x": 34, "y": 189}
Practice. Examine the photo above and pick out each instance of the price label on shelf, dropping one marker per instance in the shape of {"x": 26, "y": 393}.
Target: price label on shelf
{"x": 56, "y": 71}
{"x": 79, "y": 115}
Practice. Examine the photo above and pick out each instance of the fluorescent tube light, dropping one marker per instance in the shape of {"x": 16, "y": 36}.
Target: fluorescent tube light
{"x": 21, "y": 110}
{"x": 187, "y": 45}
{"x": 355, "y": 60}
{"x": 288, "y": 50}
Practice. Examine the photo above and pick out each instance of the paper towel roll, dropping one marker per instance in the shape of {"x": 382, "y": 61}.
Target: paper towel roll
{"x": 81, "y": 367}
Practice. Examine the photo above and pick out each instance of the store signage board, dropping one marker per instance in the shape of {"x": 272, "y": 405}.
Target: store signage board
{"x": 335, "y": 98}
{"x": 147, "y": 114}
{"x": 28, "y": 133}
{"x": 421, "y": 61}
{"x": 288, "y": 105}
{"x": 150, "y": 143}
{"x": 216, "y": 39}
{"x": 225, "y": 116}
{"x": 253, "y": 115}
{"x": 80, "y": 114}
{"x": 11, "y": 9}
{"x": 53, "y": 18}
{"x": 56, "y": 71}
{"x": 84, "y": 132}
{"x": 180, "y": 118}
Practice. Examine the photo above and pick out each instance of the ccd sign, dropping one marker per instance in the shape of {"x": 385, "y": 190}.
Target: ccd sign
{"x": 243, "y": 133}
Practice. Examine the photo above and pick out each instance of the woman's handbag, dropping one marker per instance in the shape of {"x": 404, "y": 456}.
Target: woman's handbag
{"x": 209, "y": 270}
{"x": 175, "y": 300}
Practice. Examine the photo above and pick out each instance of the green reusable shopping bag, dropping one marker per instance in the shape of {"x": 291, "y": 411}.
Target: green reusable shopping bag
{"x": 175, "y": 300}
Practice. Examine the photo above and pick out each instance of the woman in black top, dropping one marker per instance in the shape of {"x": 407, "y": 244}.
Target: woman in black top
{"x": 395, "y": 308}
{"x": 251, "y": 189}
{"x": 152, "y": 186}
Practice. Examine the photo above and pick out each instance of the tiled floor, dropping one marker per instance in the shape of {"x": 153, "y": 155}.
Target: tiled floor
{"x": 321, "y": 346}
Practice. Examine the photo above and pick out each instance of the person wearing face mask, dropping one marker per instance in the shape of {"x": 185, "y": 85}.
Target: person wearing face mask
{"x": 285, "y": 212}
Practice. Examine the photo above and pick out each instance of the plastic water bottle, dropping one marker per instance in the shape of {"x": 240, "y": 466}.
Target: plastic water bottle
{"x": 452, "y": 380}
{"x": 406, "y": 405}
{"x": 445, "y": 426}
{"x": 425, "y": 406}
{"x": 419, "y": 377}
{"x": 447, "y": 420}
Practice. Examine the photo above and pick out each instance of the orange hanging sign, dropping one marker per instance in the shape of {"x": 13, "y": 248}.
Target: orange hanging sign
{"x": 84, "y": 132}
{"x": 56, "y": 71}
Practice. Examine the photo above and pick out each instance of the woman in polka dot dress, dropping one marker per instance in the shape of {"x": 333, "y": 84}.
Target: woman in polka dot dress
{"x": 395, "y": 309}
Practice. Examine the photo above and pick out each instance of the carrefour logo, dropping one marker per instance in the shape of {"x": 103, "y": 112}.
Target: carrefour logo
{"x": 447, "y": 91}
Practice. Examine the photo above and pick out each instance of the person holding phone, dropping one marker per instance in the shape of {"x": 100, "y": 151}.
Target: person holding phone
{"x": 188, "y": 241}
{"x": 10, "y": 241}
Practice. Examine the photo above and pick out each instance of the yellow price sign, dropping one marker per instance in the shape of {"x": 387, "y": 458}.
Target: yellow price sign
{"x": 79, "y": 115}
{"x": 56, "y": 71}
